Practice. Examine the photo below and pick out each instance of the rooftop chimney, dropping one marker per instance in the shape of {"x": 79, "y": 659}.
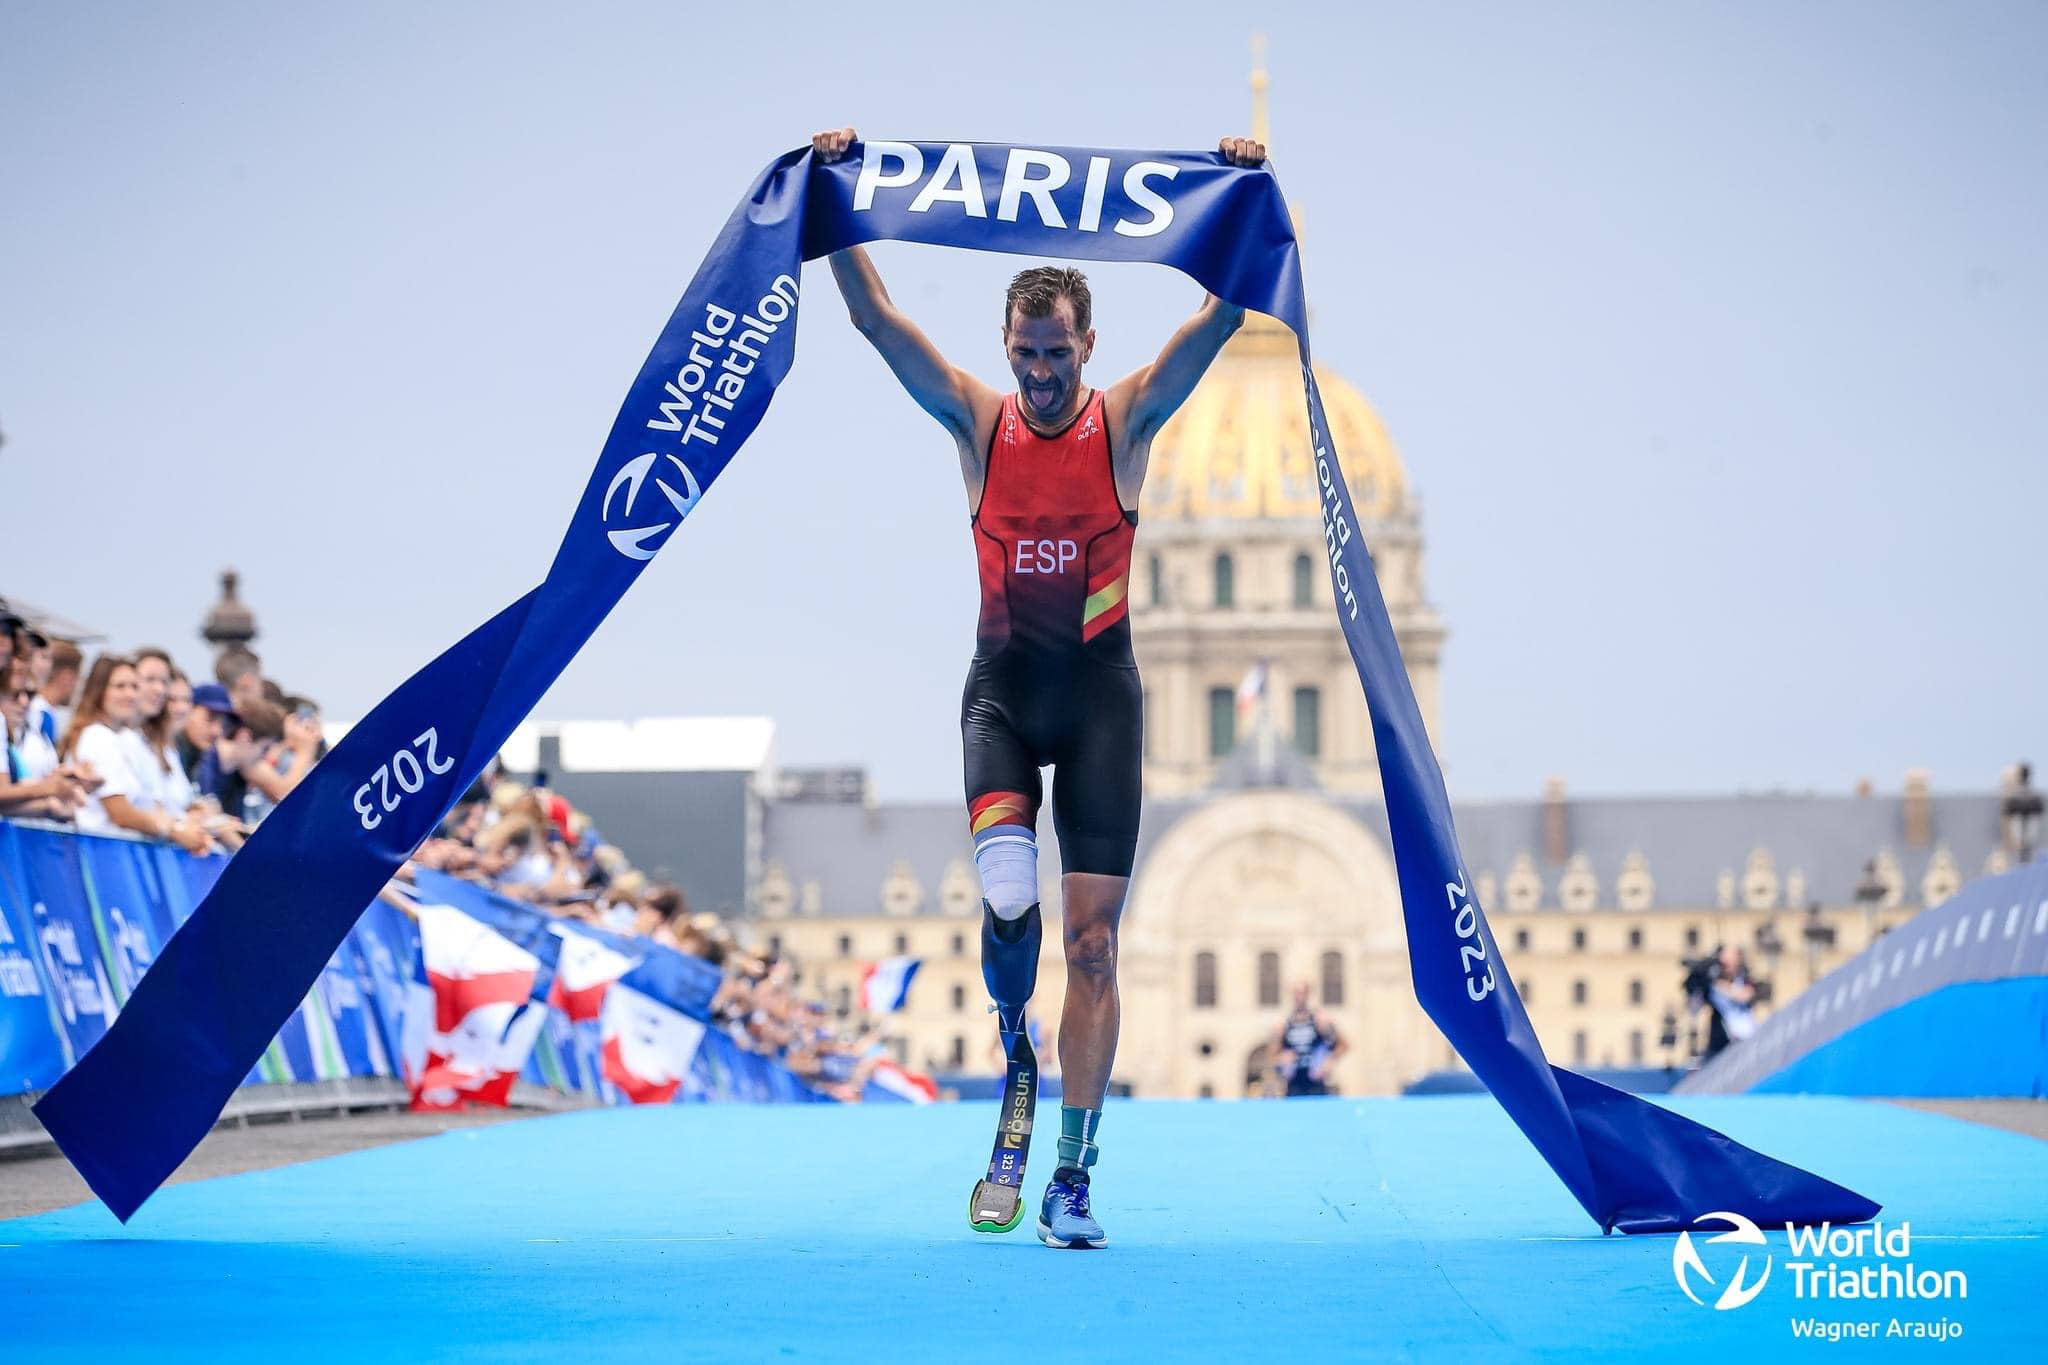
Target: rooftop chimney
{"x": 1919, "y": 809}
{"x": 1556, "y": 822}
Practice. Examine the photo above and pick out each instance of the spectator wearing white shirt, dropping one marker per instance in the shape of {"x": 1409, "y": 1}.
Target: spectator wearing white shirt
{"x": 109, "y": 710}
{"x": 31, "y": 784}
{"x": 159, "y": 680}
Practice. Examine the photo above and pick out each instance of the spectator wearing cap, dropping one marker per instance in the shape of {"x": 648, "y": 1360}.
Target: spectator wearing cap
{"x": 11, "y": 626}
{"x": 224, "y": 770}
{"x": 48, "y": 710}
{"x": 212, "y": 716}
{"x": 32, "y": 783}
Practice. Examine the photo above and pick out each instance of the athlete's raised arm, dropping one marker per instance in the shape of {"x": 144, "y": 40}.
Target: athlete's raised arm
{"x": 940, "y": 388}
{"x": 1148, "y": 396}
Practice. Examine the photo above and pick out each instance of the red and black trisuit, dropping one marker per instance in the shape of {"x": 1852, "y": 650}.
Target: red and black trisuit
{"x": 1053, "y": 680}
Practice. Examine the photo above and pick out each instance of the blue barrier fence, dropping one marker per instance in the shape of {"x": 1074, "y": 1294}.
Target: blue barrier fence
{"x": 83, "y": 917}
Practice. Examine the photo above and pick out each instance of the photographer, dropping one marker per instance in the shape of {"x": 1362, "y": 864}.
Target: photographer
{"x": 1305, "y": 1046}
{"x": 1721, "y": 984}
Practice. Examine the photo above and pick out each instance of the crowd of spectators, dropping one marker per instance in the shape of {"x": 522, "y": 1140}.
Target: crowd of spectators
{"x": 132, "y": 745}
{"x": 531, "y": 843}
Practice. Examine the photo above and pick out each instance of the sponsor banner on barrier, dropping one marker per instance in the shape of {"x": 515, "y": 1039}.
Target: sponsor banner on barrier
{"x": 65, "y": 940}
{"x": 33, "y": 1046}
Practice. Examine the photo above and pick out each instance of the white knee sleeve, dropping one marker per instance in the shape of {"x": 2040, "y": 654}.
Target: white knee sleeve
{"x": 1006, "y": 856}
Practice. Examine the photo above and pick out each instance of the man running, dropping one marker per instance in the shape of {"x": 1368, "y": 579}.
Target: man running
{"x": 1305, "y": 1047}
{"x": 1053, "y": 473}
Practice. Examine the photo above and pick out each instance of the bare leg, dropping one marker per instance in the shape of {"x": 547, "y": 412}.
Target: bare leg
{"x": 1092, "y": 905}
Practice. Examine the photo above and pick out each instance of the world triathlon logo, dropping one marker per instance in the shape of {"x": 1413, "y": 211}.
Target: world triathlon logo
{"x": 1739, "y": 1290}
{"x": 631, "y": 540}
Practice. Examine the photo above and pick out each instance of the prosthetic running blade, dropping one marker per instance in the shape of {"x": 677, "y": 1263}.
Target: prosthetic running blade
{"x": 998, "y": 1201}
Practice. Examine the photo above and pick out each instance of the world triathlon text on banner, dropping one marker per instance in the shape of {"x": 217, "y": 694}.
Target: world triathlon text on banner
{"x": 149, "y": 1090}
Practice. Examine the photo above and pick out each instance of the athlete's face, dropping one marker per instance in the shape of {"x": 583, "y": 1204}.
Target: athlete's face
{"x": 1046, "y": 355}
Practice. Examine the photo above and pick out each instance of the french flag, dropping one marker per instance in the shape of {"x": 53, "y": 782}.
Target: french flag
{"x": 914, "y": 1086}
{"x": 648, "y": 1046}
{"x": 584, "y": 974}
{"x": 471, "y": 1024}
{"x": 884, "y": 985}
{"x": 1250, "y": 693}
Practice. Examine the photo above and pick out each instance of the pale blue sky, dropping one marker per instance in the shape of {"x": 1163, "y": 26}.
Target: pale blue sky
{"x": 1713, "y": 336}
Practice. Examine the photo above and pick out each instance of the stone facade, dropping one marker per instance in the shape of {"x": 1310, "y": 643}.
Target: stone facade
{"x": 1248, "y": 892}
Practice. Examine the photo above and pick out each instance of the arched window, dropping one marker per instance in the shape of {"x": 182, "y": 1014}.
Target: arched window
{"x": 1635, "y": 991}
{"x": 1333, "y": 978}
{"x": 959, "y": 1058}
{"x": 1226, "y": 581}
{"x": 959, "y": 999}
{"x": 1269, "y": 980}
{"x": 1205, "y": 981}
{"x": 1222, "y": 721}
{"x": 1579, "y": 992}
{"x": 1158, "y": 579}
{"x": 1308, "y": 720}
{"x": 1304, "y": 580}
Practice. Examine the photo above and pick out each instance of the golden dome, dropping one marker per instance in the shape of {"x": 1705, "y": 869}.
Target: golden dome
{"x": 1239, "y": 447}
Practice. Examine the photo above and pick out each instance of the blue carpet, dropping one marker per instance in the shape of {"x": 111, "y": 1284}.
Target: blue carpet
{"x": 1423, "y": 1229}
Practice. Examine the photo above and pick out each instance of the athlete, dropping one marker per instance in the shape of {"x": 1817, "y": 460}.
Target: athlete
{"x": 1305, "y": 1047}
{"x": 1053, "y": 471}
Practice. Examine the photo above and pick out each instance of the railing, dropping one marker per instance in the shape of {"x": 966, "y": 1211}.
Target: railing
{"x": 82, "y": 917}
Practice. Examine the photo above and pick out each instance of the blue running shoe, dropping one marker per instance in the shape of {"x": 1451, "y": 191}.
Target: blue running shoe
{"x": 1064, "y": 1220}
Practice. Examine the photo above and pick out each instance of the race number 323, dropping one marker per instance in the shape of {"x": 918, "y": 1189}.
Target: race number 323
{"x": 405, "y": 774}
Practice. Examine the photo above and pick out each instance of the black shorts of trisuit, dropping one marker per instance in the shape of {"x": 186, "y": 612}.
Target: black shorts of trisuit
{"x": 1022, "y": 710}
